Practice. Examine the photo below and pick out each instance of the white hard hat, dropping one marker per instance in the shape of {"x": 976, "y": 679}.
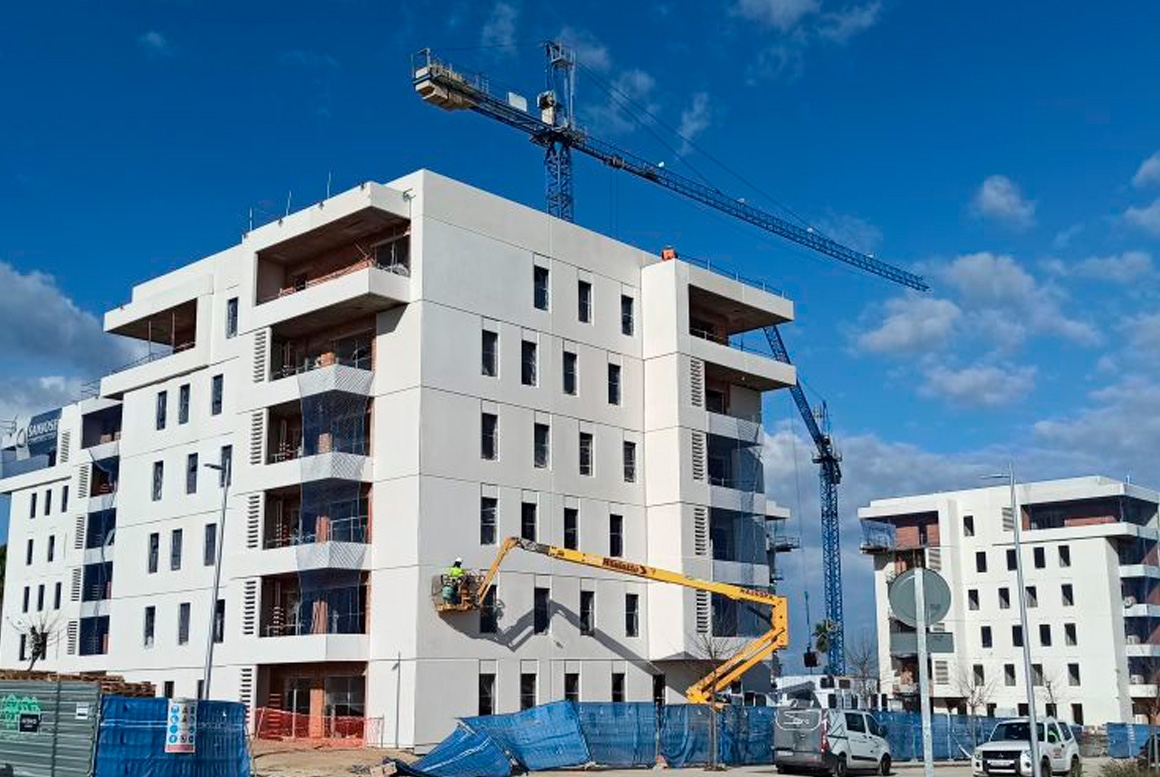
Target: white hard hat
{"x": 458, "y": 560}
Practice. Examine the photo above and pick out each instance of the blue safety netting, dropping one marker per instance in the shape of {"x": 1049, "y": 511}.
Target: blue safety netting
{"x": 544, "y": 737}
{"x": 953, "y": 737}
{"x": 465, "y": 753}
{"x": 685, "y": 734}
{"x": 131, "y": 740}
{"x": 1125, "y": 740}
{"x": 619, "y": 734}
{"x": 747, "y": 734}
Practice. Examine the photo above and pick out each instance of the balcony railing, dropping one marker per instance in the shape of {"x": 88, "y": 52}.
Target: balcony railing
{"x": 878, "y": 537}
{"x": 352, "y": 529}
{"x": 737, "y": 342}
{"x": 725, "y": 271}
{"x": 398, "y": 268}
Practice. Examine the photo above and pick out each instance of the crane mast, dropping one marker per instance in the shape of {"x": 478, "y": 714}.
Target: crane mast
{"x": 554, "y": 128}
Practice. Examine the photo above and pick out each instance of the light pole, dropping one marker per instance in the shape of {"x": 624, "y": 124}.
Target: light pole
{"x": 223, "y": 471}
{"x": 1017, "y": 523}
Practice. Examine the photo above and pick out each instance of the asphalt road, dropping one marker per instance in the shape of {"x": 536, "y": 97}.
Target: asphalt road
{"x": 1091, "y": 767}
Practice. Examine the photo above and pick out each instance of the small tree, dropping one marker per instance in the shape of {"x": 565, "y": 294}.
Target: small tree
{"x": 975, "y": 693}
{"x": 40, "y": 632}
{"x": 1049, "y": 690}
{"x": 711, "y": 652}
{"x": 862, "y": 664}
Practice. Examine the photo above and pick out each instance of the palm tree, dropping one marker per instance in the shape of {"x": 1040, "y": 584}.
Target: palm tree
{"x": 823, "y": 633}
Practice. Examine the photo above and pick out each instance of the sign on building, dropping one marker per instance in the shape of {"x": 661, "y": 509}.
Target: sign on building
{"x": 181, "y": 726}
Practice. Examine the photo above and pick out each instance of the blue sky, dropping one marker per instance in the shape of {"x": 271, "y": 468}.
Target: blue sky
{"x": 1004, "y": 150}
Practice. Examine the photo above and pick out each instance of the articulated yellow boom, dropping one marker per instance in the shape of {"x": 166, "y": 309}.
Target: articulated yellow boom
{"x": 705, "y": 690}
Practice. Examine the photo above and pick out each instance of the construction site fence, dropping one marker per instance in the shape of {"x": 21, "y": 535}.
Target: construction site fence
{"x": 334, "y": 729}
{"x": 1126, "y": 740}
{"x": 132, "y": 736}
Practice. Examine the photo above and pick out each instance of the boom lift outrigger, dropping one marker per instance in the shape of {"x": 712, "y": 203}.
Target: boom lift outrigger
{"x": 473, "y": 591}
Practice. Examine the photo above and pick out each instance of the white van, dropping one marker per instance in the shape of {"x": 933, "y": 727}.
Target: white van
{"x": 839, "y": 742}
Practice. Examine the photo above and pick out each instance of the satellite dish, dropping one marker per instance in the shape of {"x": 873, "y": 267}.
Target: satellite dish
{"x": 935, "y": 591}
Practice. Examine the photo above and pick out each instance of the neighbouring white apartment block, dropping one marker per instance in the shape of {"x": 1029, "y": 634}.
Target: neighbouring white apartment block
{"x": 1092, "y": 584}
{"x": 399, "y": 375}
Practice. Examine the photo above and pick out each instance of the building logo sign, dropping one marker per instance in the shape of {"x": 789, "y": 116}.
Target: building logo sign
{"x": 33, "y": 436}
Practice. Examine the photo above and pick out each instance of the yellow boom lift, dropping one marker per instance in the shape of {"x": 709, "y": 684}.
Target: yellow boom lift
{"x": 472, "y": 591}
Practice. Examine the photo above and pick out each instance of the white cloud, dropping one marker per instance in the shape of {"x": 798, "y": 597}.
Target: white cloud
{"x": 999, "y": 198}
{"x": 1144, "y": 334}
{"x": 913, "y": 323}
{"x": 852, "y": 231}
{"x": 27, "y": 396}
{"x": 1064, "y": 237}
{"x": 1146, "y": 218}
{"x": 612, "y": 116}
{"x": 1149, "y": 172}
{"x": 781, "y": 14}
{"x": 979, "y": 385}
{"x": 589, "y": 51}
{"x": 1124, "y": 268}
{"x": 500, "y": 28}
{"x": 842, "y": 25}
{"x": 695, "y": 119}
{"x": 989, "y": 278}
{"x": 155, "y": 44}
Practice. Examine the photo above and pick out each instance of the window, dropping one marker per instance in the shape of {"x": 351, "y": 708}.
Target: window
{"x": 1040, "y": 557}
{"x": 167, "y": 689}
{"x": 40, "y": 598}
{"x": 28, "y": 553}
{"x": 231, "y": 317}
{"x": 488, "y": 616}
{"x": 47, "y": 502}
{"x": 1004, "y": 598}
{"x": 154, "y": 551}
{"x": 855, "y": 722}
{"x": 150, "y": 625}
{"x": 528, "y": 521}
{"x": 191, "y": 473}
{"x": 541, "y": 445}
{"x": 1073, "y": 674}
{"x": 629, "y": 462}
{"x": 615, "y": 535}
{"x": 217, "y": 386}
{"x": 1077, "y": 714}
{"x": 162, "y": 405}
{"x": 584, "y": 296}
{"x": 1009, "y": 675}
{"x": 631, "y": 615}
{"x": 32, "y": 505}
{"x": 489, "y": 361}
{"x": 540, "y": 287}
{"x": 200, "y": 688}
{"x": 489, "y": 436}
{"x": 1012, "y": 562}
{"x": 1032, "y": 596}
{"x": 64, "y": 499}
{"x": 175, "y": 538}
{"x": 27, "y": 598}
{"x": 486, "y": 693}
{"x": 158, "y": 479}
{"x": 209, "y": 549}
{"x": 614, "y": 384}
{"x": 487, "y": 510}
{"x": 618, "y": 687}
{"x": 626, "y": 318}
{"x": 981, "y": 561}
{"x": 527, "y": 690}
{"x": 23, "y": 647}
{"x": 1022, "y": 709}
{"x": 541, "y": 611}
{"x": 1067, "y": 595}
{"x": 1045, "y": 634}
{"x": 183, "y": 623}
{"x": 1016, "y": 636}
{"x": 569, "y": 364}
{"x": 1065, "y": 559}
{"x": 1069, "y": 635}
{"x": 973, "y": 598}
{"x": 528, "y": 363}
{"x": 56, "y": 592}
{"x": 571, "y": 528}
{"x": 183, "y": 404}
{"x": 978, "y": 674}
{"x": 588, "y": 612}
{"x": 968, "y": 526}
{"x": 226, "y": 461}
{"x": 219, "y": 621}
{"x": 1037, "y": 674}
{"x": 985, "y": 636}
{"x": 585, "y": 453}
{"x": 51, "y": 548}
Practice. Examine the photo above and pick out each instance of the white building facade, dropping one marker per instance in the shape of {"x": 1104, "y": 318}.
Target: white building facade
{"x": 1091, "y": 583}
{"x": 396, "y": 376}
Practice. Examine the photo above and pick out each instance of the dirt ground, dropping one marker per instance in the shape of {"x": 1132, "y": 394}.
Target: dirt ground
{"x": 289, "y": 759}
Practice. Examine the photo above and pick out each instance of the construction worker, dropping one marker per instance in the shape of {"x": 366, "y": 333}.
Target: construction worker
{"x": 453, "y": 582}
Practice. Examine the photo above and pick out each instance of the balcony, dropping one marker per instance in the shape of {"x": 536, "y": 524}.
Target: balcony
{"x": 351, "y": 346}
{"x": 340, "y": 514}
{"x": 101, "y": 432}
{"x": 170, "y": 341}
{"x": 335, "y": 604}
{"x": 104, "y": 476}
{"x": 338, "y": 423}
{"x": 354, "y": 267}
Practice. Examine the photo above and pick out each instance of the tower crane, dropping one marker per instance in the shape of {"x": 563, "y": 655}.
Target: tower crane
{"x": 551, "y": 124}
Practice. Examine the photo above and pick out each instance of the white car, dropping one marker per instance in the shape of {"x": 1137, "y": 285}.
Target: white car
{"x": 812, "y": 739}
{"x": 1008, "y": 751}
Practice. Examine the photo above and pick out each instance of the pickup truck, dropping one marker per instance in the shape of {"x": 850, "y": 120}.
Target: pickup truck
{"x": 1008, "y": 751}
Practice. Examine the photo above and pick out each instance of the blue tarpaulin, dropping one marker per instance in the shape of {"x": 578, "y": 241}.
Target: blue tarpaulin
{"x": 544, "y": 737}
{"x": 1125, "y": 740}
{"x": 619, "y": 734}
{"x": 131, "y": 740}
{"x": 465, "y": 753}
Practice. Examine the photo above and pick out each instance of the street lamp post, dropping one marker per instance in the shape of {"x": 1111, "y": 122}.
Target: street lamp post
{"x": 1017, "y": 522}
{"x": 223, "y": 471}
